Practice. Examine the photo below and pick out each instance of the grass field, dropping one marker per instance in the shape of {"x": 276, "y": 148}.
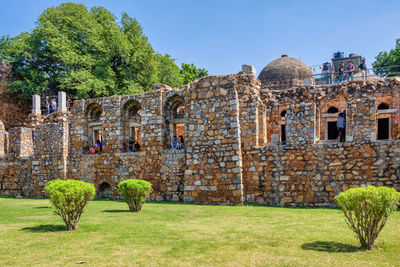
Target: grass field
{"x": 187, "y": 235}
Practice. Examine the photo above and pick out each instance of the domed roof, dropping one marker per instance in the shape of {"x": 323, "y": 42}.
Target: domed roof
{"x": 285, "y": 70}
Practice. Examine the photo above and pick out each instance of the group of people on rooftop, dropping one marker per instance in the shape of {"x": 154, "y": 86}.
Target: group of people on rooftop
{"x": 348, "y": 71}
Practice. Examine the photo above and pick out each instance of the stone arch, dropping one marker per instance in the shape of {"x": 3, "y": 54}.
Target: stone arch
{"x": 131, "y": 112}
{"x": 174, "y": 107}
{"x": 332, "y": 109}
{"x": 94, "y": 112}
{"x": 383, "y": 105}
{"x": 104, "y": 190}
{"x": 174, "y": 112}
{"x": 131, "y": 109}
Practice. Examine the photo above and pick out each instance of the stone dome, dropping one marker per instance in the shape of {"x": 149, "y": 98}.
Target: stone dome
{"x": 285, "y": 71}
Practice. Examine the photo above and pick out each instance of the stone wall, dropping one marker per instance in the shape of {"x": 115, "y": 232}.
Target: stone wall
{"x": 313, "y": 175}
{"x": 229, "y": 158}
{"x": 361, "y": 120}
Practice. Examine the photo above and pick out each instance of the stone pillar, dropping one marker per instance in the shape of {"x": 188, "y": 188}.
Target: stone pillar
{"x": 3, "y": 139}
{"x": 248, "y": 68}
{"x": 36, "y": 104}
{"x": 361, "y": 122}
{"x": 62, "y": 101}
{"x": 300, "y": 124}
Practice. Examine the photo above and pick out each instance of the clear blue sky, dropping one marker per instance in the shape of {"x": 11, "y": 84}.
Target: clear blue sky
{"x": 221, "y": 35}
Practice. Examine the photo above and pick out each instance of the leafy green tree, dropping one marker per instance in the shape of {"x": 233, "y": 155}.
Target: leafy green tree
{"x": 87, "y": 53}
{"x": 134, "y": 193}
{"x": 191, "y": 73}
{"x": 69, "y": 198}
{"x": 168, "y": 72}
{"x": 367, "y": 210}
{"x": 388, "y": 64}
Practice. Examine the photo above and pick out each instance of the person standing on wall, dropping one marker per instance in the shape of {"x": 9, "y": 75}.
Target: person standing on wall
{"x": 341, "y": 72}
{"x": 53, "y": 105}
{"x": 350, "y": 70}
{"x": 341, "y": 125}
{"x": 363, "y": 69}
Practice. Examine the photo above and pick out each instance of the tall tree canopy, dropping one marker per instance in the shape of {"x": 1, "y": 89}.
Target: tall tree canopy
{"x": 388, "y": 64}
{"x": 191, "y": 73}
{"x": 86, "y": 53}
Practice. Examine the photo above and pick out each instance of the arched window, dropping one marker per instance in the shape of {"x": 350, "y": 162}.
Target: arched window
{"x": 332, "y": 110}
{"x": 175, "y": 118}
{"x": 383, "y": 106}
{"x": 131, "y": 110}
{"x": 93, "y": 116}
{"x": 283, "y": 114}
{"x": 131, "y": 120}
{"x": 93, "y": 112}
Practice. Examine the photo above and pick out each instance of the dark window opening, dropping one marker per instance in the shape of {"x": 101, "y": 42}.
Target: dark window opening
{"x": 383, "y": 129}
{"x": 283, "y": 114}
{"x": 383, "y": 106}
{"x": 104, "y": 190}
{"x": 179, "y": 112}
{"x": 332, "y": 130}
{"x": 283, "y": 134}
{"x": 332, "y": 110}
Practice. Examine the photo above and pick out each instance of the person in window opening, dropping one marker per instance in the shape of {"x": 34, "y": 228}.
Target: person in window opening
{"x": 53, "y": 105}
{"x": 131, "y": 144}
{"x": 341, "y": 72}
{"x": 175, "y": 143}
{"x": 363, "y": 69}
{"x": 350, "y": 70}
{"x": 47, "y": 103}
{"x": 96, "y": 148}
{"x": 181, "y": 144}
{"x": 136, "y": 146}
{"x": 341, "y": 125}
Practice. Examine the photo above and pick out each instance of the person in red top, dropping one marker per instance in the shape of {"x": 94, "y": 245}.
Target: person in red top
{"x": 350, "y": 70}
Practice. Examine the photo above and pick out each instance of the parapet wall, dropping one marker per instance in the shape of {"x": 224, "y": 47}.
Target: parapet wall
{"x": 232, "y": 154}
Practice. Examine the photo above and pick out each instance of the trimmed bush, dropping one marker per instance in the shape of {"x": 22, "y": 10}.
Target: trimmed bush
{"x": 134, "y": 192}
{"x": 367, "y": 209}
{"x": 69, "y": 198}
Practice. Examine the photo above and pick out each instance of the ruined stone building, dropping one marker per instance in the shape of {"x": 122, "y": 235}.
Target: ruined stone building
{"x": 271, "y": 140}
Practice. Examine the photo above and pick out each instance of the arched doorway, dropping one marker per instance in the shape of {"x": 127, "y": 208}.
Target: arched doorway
{"x": 104, "y": 190}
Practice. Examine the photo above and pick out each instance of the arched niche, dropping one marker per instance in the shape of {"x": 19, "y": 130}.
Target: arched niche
{"x": 174, "y": 111}
{"x": 332, "y": 110}
{"x": 104, "y": 190}
{"x": 131, "y": 113}
{"x": 93, "y": 113}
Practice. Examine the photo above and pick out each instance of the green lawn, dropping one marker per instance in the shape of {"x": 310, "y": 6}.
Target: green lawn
{"x": 187, "y": 235}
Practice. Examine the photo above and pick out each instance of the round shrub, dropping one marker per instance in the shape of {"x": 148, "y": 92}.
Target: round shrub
{"x": 69, "y": 197}
{"x": 134, "y": 192}
{"x": 367, "y": 209}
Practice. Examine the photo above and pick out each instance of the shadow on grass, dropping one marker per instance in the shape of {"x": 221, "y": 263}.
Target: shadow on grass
{"x": 45, "y": 228}
{"x": 333, "y": 247}
{"x": 117, "y": 211}
{"x": 42, "y": 207}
